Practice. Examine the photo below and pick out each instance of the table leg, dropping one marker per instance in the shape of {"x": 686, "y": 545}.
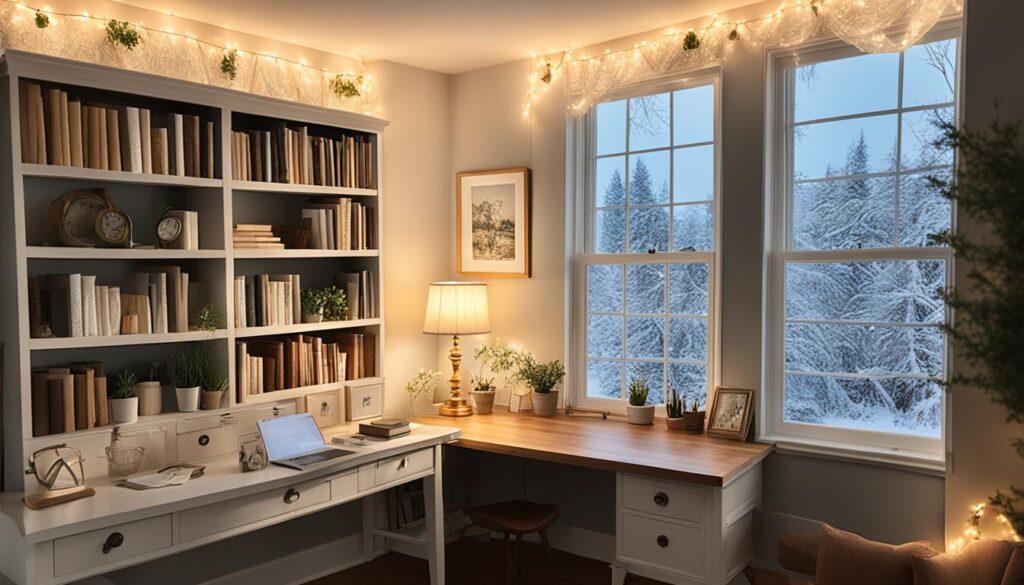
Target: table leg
{"x": 618, "y": 575}
{"x": 433, "y": 499}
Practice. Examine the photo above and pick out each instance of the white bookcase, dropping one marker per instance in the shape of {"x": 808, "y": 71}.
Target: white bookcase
{"x": 28, "y": 189}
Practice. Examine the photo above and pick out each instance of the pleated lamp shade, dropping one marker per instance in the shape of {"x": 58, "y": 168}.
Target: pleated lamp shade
{"x": 457, "y": 308}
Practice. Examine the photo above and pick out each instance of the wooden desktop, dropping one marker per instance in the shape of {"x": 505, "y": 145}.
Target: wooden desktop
{"x": 685, "y": 502}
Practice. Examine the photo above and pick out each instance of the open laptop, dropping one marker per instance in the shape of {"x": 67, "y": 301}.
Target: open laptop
{"x": 295, "y": 441}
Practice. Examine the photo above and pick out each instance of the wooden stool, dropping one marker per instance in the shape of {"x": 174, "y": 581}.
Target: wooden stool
{"x": 517, "y": 518}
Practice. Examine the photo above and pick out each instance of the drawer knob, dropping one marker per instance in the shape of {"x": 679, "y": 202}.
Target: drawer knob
{"x": 403, "y": 463}
{"x": 291, "y": 496}
{"x": 661, "y": 499}
{"x": 115, "y": 540}
{"x": 204, "y": 440}
{"x": 662, "y": 541}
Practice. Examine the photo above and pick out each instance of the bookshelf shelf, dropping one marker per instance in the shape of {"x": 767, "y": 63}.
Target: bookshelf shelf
{"x": 62, "y": 252}
{"x": 163, "y": 105}
{"x": 84, "y": 174}
{"x": 271, "y": 254}
{"x": 303, "y": 328}
{"x": 51, "y": 343}
{"x": 299, "y": 189}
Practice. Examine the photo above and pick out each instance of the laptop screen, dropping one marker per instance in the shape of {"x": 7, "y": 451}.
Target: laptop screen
{"x": 290, "y": 436}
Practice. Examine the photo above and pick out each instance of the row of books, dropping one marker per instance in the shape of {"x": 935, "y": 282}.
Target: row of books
{"x": 60, "y": 130}
{"x": 74, "y": 305}
{"x": 268, "y": 365}
{"x": 263, "y": 300}
{"x": 338, "y": 223}
{"x": 292, "y": 155}
{"x": 66, "y": 399}
{"x": 405, "y": 505}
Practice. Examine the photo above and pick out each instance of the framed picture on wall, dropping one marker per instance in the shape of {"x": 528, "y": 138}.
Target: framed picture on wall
{"x": 731, "y": 413}
{"x": 492, "y": 223}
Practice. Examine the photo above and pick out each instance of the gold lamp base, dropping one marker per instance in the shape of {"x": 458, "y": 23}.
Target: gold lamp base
{"x": 456, "y": 405}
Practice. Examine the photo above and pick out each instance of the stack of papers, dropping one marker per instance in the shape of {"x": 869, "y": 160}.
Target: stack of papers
{"x": 159, "y": 479}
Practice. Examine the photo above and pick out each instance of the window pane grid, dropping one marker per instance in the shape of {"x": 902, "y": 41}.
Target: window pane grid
{"x": 856, "y": 354}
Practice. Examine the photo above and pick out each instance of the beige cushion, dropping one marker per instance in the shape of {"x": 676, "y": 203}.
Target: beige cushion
{"x": 981, "y": 562}
{"x": 847, "y": 559}
{"x": 1014, "y": 574}
{"x": 799, "y": 552}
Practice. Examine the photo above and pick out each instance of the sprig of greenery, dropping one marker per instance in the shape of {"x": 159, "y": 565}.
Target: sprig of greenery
{"x": 124, "y": 385}
{"x": 541, "y": 377}
{"x": 691, "y": 41}
{"x": 42, "y": 19}
{"x": 989, "y": 189}
{"x": 229, "y": 63}
{"x": 123, "y": 33}
{"x": 207, "y": 319}
{"x": 187, "y": 368}
{"x": 312, "y": 300}
{"x": 335, "y": 304}
{"x": 638, "y": 391}
{"x": 346, "y": 86}
{"x": 423, "y": 380}
{"x": 498, "y": 359}
{"x": 674, "y": 405}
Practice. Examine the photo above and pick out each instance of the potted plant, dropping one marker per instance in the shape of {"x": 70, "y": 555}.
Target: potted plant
{"x": 150, "y": 391}
{"x": 674, "y": 407}
{"x": 542, "y": 377}
{"x": 423, "y": 381}
{"x": 312, "y": 300}
{"x": 335, "y": 303}
{"x": 213, "y": 385}
{"x": 693, "y": 419}
{"x": 207, "y": 319}
{"x": 498, "y": 360}
{"x": 186, "y": 374}
{"x": 124, "y": 404}
{"x": 638, "y": 411}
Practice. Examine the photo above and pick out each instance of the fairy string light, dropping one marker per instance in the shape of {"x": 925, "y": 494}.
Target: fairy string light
{"x": 874, "y": 26}
{"x": 164, "y": 51}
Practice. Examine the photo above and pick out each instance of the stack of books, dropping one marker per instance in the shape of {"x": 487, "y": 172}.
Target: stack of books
{"x": 59, "y": 129}
{"x": 66, "y": 399}
{"x": 267, "y": 365}
{"x": 291, "y": 155}
{"x": 338, "y": 223}
{"x": 262, "y": 300}
{"x": 385, "y": 428}
{"x": 255, "y": 236}
{"x": 74, "y": 305}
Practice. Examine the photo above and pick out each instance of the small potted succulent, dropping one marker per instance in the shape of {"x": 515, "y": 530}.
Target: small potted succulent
{"x": 186, "y": 374}
{"x": 124, "y": 404}
{"x": 674, "y": 406}
{"x": 542, "y": 378}
{"x": 693, "y": 419}
{"x": 497, "y": 359}
{"x": 214, "y": 385}
{"x": 312, "y": 300}
{"x": 638, "y": 411}
{"x": 150, "y": 391}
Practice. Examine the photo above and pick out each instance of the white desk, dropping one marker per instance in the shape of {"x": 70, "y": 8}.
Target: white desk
{"x": 67, "y": 542}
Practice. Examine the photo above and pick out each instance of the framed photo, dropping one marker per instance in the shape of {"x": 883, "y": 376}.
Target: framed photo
{"x": 731, "y": 413}
{"x": 492, "y": 223}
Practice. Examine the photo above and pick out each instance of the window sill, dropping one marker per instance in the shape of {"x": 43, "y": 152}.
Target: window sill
{"x": 915, "y": 461}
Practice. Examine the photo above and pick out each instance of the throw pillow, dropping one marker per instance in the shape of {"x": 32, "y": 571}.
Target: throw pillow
{"x": 981, "y": 562}
{"x": 847, "y": 559}
{"x": 1014, "y": 574}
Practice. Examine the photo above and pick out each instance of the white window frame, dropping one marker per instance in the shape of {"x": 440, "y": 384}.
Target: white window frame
{"x": 581, "y": 216}
{"x": 906, "y": 450}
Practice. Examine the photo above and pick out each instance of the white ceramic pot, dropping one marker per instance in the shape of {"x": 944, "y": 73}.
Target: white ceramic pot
{"x": 640, "y": 415}
{"x": 545, "y": 403}
{"x": 483, "y": 402}
{"x": 150, "y": 398}
{"x": 188, "y": 399}
{"x": 124, "y": 410}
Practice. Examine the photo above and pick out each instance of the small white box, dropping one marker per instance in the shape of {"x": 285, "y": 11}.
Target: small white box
{"x": 364, "y": 398}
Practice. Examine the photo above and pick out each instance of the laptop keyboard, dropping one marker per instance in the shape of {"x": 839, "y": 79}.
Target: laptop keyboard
{"x": 319, "y": 457}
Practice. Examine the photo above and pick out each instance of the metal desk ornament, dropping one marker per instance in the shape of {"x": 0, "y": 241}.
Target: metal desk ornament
{"x": 60, "y": 474}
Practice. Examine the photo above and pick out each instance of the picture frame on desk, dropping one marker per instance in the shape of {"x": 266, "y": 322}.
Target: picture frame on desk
{"x": 492, "y": 223}
{"x": 364, "y": 399}
{"x": 732, "y": 413}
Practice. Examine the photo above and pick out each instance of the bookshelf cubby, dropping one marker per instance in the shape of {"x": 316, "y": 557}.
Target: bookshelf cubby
{"x": 31, "y": 248}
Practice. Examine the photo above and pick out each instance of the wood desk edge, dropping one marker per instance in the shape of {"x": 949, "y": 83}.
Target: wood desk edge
{"x": 470, "y": 439}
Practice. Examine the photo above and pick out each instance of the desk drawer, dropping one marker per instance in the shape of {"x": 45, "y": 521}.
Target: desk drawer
{"x": 396, "y": 468}
{"x": 206, "y": 520}
{"x": 671, "y": 500}
{"x": 678, "y": 547}
{"x": 345, "y": 487}
{"x": 86, "y": 550}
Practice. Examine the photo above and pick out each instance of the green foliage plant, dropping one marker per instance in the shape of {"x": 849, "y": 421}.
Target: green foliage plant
{"x": 187, "y": 368}
{"x": 124, "y": 34}
{"x": 541, "y": 377}
{"x": 498, "y": 360}
{"x": 335, "y": 304}
{"x": 124, "y": 385}
{"x": 207, "y": 319}
{"x": 674, "y": 405}
{"x": 637, "y": 392}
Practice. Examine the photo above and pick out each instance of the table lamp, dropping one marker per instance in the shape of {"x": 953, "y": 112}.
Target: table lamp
{"x": 456, "y": 308}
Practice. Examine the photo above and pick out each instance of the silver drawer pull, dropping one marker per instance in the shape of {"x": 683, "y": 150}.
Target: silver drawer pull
{"x": 291, "y": 496}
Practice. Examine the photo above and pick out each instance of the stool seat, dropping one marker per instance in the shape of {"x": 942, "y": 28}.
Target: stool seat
{"x": 514, "y": 517}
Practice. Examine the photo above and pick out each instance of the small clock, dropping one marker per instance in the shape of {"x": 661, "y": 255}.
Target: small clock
{"x": 168, "y": 231}
{"x": 114, "y": 227}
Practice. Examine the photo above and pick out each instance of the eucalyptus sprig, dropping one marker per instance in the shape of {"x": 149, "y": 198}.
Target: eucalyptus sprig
{"x": 42, "y": 19}
{"x": 346, "y": 85}
{"x": 423, "y": 380}
{"x": 229, "y": 63}
{"x": 123, "y": 33}
{"x": 497, "y": 359}
{"x": 691, "y": 41}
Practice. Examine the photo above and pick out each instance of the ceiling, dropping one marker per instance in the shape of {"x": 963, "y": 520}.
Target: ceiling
{"x": 450, "y": 36}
